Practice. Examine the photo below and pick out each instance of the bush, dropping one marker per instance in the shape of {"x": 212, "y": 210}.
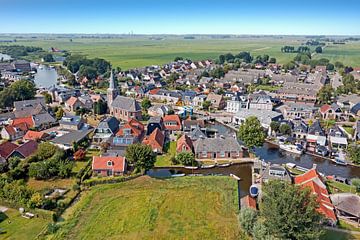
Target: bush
{"x": 247, "y": 219}
{"x": 52, "y": 228}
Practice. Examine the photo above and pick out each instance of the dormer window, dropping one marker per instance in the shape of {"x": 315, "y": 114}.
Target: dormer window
{"x": 110, "y": 163}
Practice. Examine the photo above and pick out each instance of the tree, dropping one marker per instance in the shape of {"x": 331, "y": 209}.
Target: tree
{"x": 247, "y": 220}
{"x": 79, "y": 155}
{"x": 145, "y": 104}
{"x": 356, "y": 183}
{"x": 318, "y": 49}
{"x": 289, "y": 212}
{"x": 20, "y": 90}
{"x": 59, "y": 113}
{"x": 251, "y": 132}
{"x": 36, "y": 200}
{"x": 272, "y": 60}
{"x": 140, "y": 156}
{"x": 186, "y": 159}
{"x": 48, "y": 98}
{"x": 48, "y": 58}
{"x": 100, "y": 107}
{"x": 325, "y": 94}
{"x": 285, "y": 129}
{"x": 274, "y": 126}
{"x": 353, "y": 152}
{"x": 88, "y": 72}
{"x": 206, "y": 105}
{"x": 46, "y": 150}
{"x": 178, "y": 59}
{"x": 330, "y": 67}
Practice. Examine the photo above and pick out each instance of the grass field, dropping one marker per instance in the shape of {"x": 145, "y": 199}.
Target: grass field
{"x": 16, "y": 227}
{"x": 146, "y": 208}
{"x": 165, "y": 159}
{"x": 138, "y": 51}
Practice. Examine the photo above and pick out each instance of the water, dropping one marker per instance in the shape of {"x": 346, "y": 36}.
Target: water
{"x": 45, "y": 76}
{"x": 5, "y": 57}
{"x": 272, "y": 154}
{"x": 242, "y": 170}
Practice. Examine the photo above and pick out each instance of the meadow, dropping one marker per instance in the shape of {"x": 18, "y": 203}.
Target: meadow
{"x": 138, "y": 51}
{"x": 181, "y": 208}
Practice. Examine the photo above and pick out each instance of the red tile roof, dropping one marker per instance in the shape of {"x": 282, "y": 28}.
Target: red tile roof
{"x": 12, "y": 130}
{"x": 7, "y": 148}
{"x": 172, "y": 118}
{"x": 312, "y": 180}
{"x": 71, "y": 101}
{"x": 155, "y": 140}
{"x": 27, "y": 148}
{"x": 29, "y": 121}
{"x": 154, "y": 91}
{"x": 249, "y": 202}
{"x": 137, "y": 128}
{"x": 34, "y": 135}
{"x": 325, "y": 108}
{"x": 101, "y": 163}
{"x": 184, "y": 140}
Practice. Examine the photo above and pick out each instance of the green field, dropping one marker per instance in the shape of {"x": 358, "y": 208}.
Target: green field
{"x": 14, "y": 226}
{"x": 138, "y": 51}
{"x": 146, "y": 208}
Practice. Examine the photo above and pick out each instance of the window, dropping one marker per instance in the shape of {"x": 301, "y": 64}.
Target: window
{"x": 204, "y": 154}
{"x": 222, "y": 154}
{"x": 109, "y": 163}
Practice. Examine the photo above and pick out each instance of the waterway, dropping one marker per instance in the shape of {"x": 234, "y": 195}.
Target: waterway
{"x": 242, "y": 170}
{"x": 45, "y": 76}
{"x": 273, "y": 154}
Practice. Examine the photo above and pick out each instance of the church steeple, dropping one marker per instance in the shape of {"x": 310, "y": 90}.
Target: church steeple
{"x": 112, "y": 91}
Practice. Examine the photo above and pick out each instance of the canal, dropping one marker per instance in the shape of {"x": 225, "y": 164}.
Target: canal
{"x": 45, "y": 76}
{"x": 242, "y": 170}
{"x": 273, "y": 154}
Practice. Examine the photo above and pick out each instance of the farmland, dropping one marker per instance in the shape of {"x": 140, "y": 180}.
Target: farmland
{"x": 182, "y": 208}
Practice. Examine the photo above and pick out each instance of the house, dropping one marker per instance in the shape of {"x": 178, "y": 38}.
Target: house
{"x": 13, "y": 132}
{"x": 355, "y": 110}
{"x": 35, "y": 136}
{"x": 153, "y": 123}
{"x": 30, "y": 107}
{"x": 172, "y": 123}
{"x": 296, "y": 111}
{"x": 300, "y": 130}
{"x": 315, "y": 137}
{"x": 217, "y": 101}
{"x": 218, "y": 148}
{"x": 125, "y": 108}
{"x": 129, "y": 133}
{"x": 25, "y": 150}
{"x": 337, "y": 138}
{"x": 73, "y": 104}
{"x": 313, "y": 181}
{"x": 275, "y": 171}
{"x": 43, "y": 120}
{"x": 184, "y": 144}
{"x": 155, "y": 140}
{"x": 108, "y": 165}
{"x": 6, "y": 148}
{"x": 159, "y": 110}
{"x": 260, "y": 102}
{"x": 106, "y": 129}
{"x": 68, "y": 140}
{"x": 348, "y": 101}
{"x": 196, "y": 133}
{"x": 189, "y": 124}
{"x": 330, "y": 111}
{"x": 22, "y": 66}
{"x": 265, "y": 117}
{"x": 199, "y": 100}
{"x": 347, "y": 205}
{"x": 71, "y": 122}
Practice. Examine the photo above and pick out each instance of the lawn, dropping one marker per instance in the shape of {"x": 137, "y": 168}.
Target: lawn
{"x": 334, "y": 235}
{"x": 338, "y": 187}
{"x": 39, "y": 185}
{"x": 165, "y": 159}
{"x": 17, "y": 227}
{"x": 146, "y": 208}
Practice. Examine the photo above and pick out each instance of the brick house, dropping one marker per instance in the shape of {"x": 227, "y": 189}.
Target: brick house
{"x": 109, "y": 165}
{"x": 184, "y": 144}
{"x": 155, "y": 140}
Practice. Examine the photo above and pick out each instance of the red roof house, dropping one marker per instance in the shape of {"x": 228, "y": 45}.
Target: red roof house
{"x": 73, "y": 103}
{"x": 172, "y": 122}
{"x": 34, "y": 135}
{"x": 109, "y": 165}
{"x": 155, "y": 140}
{"x": 184, "y": 144}
{"x": 129, "y": 133}
{"x": 14, "y": 132}
{"x": 29, "y": 121}
{"x": 7, "y": 148}
{"x": 25, "y": 150}
{"x": 313, "y": 180}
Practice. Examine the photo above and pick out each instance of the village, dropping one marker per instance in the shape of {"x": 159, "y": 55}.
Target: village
{"x": 97, "y": 125}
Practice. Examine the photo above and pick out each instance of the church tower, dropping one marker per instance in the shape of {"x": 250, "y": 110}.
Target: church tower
{"x": 112, "y": 91}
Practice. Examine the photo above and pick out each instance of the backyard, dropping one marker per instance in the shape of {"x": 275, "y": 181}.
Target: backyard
{"x": 180, "y": 208}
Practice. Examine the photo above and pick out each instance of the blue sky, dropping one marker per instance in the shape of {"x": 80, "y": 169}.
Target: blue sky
{"x": 181, "y": 17}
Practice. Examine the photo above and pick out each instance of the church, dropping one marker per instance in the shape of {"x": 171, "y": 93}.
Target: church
{"x": 123, "y": 108}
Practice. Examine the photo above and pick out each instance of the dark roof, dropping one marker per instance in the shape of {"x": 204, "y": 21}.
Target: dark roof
{"x": 355, "y": 109}
{"x": 21, "y": 105}
{"x": 27, "y": 148}
{"x": 7, "y": 148}
{"x": 347, "y": 202}
{"x": 74, "y": 136}
{"x": 315, "y": 128}
{"x": 128, "y": 104}
{"x": 43, "y": 118}
{"x": 70, "y": 120}
{"x": 220, "y": 144}
{"x": 112, "y": 123}
{"x": 196, "y": 133}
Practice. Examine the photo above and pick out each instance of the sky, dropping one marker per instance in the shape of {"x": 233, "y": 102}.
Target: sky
{"x": 315, "y": 17}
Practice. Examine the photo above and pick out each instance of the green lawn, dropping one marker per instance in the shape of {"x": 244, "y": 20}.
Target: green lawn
{"x": 333, "y": 235}
{"x": 336, "y": 187}
{"x": 165, "y": 159}
{"x": 146, "y": 208}
{"x": 16, "y": 227}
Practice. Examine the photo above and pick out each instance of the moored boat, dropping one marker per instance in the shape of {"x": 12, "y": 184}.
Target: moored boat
{"x": 224, "y": 165}
{"x": 291, "y": 148}
{"x": 191, "y": 167}
{"x": 208, "y": 166}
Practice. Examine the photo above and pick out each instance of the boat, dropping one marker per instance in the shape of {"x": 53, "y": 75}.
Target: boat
{"x": 290, "y": 165}
{"x": 191, "y": 167}
{"x": 224, "y": 165}
{"x": 178, "y": 175}
{"x": 254, "y": 190}
{"x": 291, "y": 148}
{"x": 340, "y": 159}
{"x": 208, "y": 166}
